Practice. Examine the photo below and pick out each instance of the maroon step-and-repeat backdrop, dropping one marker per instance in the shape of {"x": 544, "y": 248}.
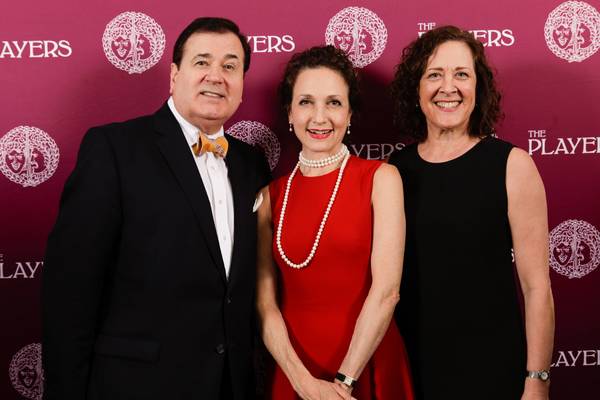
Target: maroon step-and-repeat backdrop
{"x": 68, "y": 65}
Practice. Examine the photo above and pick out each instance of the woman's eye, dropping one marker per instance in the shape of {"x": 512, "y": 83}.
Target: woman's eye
{"x": 303, "y": 102}
{"x": 335, "y": 102}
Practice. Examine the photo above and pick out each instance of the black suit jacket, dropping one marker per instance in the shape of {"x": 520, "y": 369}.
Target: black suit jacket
{"x": 136, "y": 304}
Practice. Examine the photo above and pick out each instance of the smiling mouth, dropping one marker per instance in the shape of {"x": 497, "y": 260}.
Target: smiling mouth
{"x": 212, "y": 94}
{"x": 447, "y": 104}
{"x": 319, "y": 133}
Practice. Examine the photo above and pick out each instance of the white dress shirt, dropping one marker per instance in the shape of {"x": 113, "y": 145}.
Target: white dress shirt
{"x": 213, "y": 172}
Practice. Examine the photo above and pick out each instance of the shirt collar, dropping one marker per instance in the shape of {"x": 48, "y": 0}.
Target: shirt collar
{"x": 189, "y": 131}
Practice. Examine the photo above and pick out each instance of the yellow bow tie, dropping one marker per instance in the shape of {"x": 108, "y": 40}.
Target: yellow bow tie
{"x": 217, "y": 146}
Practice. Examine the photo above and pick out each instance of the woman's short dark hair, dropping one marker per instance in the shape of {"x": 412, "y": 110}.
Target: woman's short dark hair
{"x": 316, "y": 57}
{"x": 213, "y": 25}
{"x": 405, "y": 88}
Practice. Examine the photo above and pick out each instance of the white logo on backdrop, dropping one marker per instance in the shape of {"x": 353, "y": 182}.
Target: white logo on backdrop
{"x": 133, "y": 42}
{"x": 28, "y": 156}
{"x": 577, "y": 358}
{"x": 255, "y": 133}
{"x": 574, "y": 248}
{"x": 359, "y": 32}
{"x": 572, "y": 31}
{"x": 271, "y": 43}
{"x": 35, "y": 49}
{"x": 375, "y": 151}
{"x": 26, "y": 373}
{"x": 540, "y": 143}
{"x": 488, "y": 37}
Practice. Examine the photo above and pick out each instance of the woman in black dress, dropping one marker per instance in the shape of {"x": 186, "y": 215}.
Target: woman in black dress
{"x": 469, "y": 199}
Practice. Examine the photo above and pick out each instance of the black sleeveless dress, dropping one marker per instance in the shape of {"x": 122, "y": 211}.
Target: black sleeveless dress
{"x": 458, "y": 310}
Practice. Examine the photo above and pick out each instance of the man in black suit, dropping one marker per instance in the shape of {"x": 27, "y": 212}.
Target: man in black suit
{"x": 148, "y": 286}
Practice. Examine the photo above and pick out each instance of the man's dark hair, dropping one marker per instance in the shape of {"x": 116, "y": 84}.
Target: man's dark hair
{"x": 210, "y": 24}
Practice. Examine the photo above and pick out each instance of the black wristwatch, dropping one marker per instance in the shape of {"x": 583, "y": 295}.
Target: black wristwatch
{"x": 542, "y": 375}
{"x": 346, "y": 380}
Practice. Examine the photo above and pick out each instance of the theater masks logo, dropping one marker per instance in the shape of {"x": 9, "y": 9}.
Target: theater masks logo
{"x": 572, "y": 31}
{"x": 255, "y": 133}
{"x": 359, "y": 32}
{"x": 133, "y": 42}
{"x": 26, "y": 373}
{"x": 574, "y": 248}
{"x": 28, "y": 156}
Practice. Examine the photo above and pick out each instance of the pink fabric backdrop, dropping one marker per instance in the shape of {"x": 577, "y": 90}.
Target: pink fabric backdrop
{"x": 57, "y": 78}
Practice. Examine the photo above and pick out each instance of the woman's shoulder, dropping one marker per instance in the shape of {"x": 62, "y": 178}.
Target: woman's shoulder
{"x": 365, "y": 167}
{"x": 277, "y": 185}
{"x": 495, "y": 144}
{"x": 400, "y": 157}
{"x": 364, "y": 163}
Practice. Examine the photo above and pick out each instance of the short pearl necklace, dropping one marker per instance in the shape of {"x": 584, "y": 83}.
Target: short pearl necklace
{"x": 325, "y": 161}
{"x": 313, "y": 250}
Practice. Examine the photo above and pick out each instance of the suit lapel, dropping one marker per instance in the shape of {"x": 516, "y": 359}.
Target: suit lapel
{"x": 173, "y": 146}
{"x": 235, "y": 172}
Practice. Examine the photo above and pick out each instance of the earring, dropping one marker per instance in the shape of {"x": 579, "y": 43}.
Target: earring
{"x": 291, "y": 127}
{"x": 348, "y": 130}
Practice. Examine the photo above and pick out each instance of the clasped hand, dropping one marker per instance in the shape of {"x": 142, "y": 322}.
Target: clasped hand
{"x": 319, "y": 389}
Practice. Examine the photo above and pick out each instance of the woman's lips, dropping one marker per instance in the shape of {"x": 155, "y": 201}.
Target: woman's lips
{"x": 319, "y": 134}
{"x": 447, "y": 106}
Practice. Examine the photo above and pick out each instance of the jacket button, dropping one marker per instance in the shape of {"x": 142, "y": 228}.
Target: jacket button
{"x": 228, "y": 300}
{"x": 220, "y": 349}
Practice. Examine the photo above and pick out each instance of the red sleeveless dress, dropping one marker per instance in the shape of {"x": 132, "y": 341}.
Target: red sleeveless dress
{"x": 321, "y": 302}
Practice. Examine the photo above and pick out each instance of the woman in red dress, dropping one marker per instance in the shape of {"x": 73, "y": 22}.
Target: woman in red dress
{"x": 329, "y": 263}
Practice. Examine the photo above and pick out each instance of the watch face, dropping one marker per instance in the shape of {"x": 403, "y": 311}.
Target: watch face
{"x": 544, "y": 375}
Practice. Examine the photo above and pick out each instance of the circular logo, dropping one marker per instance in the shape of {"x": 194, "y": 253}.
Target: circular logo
{"x": 133, "y": 42}
{"x": 359, "y": 32}
{"x": 574, "y": 248}
{"x": 255, "y": 133}
{"x": 26, "y": 373}
{"x": 28, "y": 156}
{"x": 572, "y": 31}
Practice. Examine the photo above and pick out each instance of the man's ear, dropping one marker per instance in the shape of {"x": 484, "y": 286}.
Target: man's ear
{"x": 173, "y": 77}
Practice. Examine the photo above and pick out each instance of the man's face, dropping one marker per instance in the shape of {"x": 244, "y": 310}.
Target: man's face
{"x": 207, "y": 87}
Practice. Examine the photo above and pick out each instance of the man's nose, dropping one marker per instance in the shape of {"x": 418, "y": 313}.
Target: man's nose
{"x": 214, "y": 74}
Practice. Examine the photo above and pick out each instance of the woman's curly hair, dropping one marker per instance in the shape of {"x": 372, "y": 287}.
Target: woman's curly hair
{"x": 315, "y": 57}
{"x": 405, "y": 87}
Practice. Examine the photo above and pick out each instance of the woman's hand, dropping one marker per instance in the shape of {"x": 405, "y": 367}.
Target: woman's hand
{"x": 342, "y": 388}
{"x": 535, "y": 389}
{"x": 318, "y": 389}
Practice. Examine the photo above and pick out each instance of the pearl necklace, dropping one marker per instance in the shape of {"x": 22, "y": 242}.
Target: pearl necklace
{"x": 325, "y": 161}
{"x": 313, "y": 250}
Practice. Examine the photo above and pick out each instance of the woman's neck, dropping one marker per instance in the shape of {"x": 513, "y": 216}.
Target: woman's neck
{"x": 445, "y": 145}
{"x": 320, "y": 156}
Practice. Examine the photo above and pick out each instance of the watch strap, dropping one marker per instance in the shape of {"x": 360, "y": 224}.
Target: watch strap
{"x": 346, "y": 380}
{"x": 542, "y": 375}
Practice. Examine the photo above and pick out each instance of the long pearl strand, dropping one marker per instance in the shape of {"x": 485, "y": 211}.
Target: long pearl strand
{"x": 325, "y": 161}
{"x": 323, "y": 221}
